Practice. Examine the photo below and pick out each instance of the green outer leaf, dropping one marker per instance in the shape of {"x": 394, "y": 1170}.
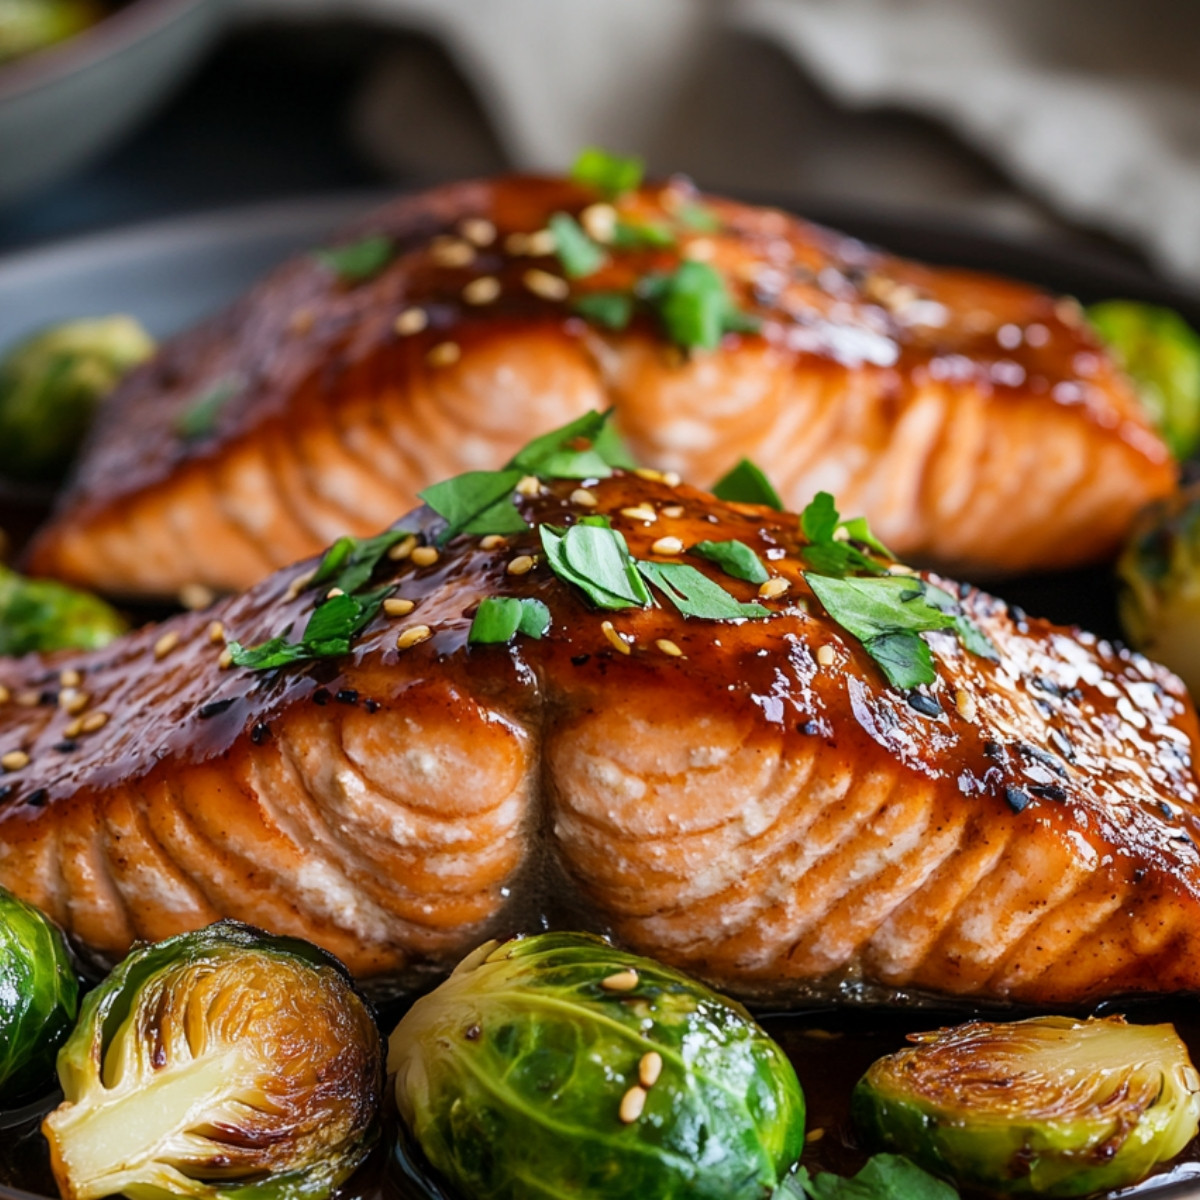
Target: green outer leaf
{"x": 746, "y": 484}
{"x": 695, "y": 595}
{"x": 611, "y": 174}
{"x": 579, "y": 255}
{"x": 734, "y": 558}
{"x": 613, "y": 310}
{"x": 501, "y": 618}
{"x": 42, "y": 615}
{"x": 511, "y": 1076}
{"x": 39, "y": 997}
{"x": 199, "y": 419}
{"x": 476, "y": 502}
{"x": 601, "y": 550}
{"x": 356, "y": 262}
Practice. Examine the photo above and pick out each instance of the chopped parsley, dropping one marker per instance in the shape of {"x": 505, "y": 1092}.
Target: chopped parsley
{"x": 734, "y": 558}
{"x": 199, "y": 419}
{"x": 501, "y": 618}
{"x": 611, "y": 174}
{"x": 694, "y": 306}
{"x": 642, "y": 235}
{"x": 356, "y": 262}
{"x": 579, "y": 255}
{"x": 830, "y": 554}
{"x": 885, "y": 1177}
{"x": 695, "y": 595}
{"x": 747, "y": 484}
{"x": 613, "y": 310}
{"x": 476, "y": 502}
{"x": 698, "y": 218}
{"x": 596, "y": 559}
{"x": 350, "y": 562}
{"x": 587, "y": 448}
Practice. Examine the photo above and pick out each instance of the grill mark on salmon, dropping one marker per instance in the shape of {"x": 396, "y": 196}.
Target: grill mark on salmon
{"x": 787, "y": 830}
{"x": 879, "y": 380}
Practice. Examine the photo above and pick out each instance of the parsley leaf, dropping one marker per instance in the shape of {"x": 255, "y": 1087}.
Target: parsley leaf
{"x": 694, "y": 306}
{"x": 476, "y": 502}
{"x": 356, "y": 262}
{"x": 554, "y": 455}
{"x": 746, "y": 484}
{"x": 199, "y": 419}
{"x": 695, "y": 595}
{"x": 595, "y": 559}
{"x": 831, "y": 555}
{"x": 501, "y": 618}
{"x": 350, "y": 561}
{"x": 613, "y": 310}
{"x": 642, "y": 235}
{"x": 885, "y": 1177}
{"x": 699, "y": 218}
{"x": 609, "y": 173}
{"x": 579, "y": 255}
{"x": 734, "y": 558}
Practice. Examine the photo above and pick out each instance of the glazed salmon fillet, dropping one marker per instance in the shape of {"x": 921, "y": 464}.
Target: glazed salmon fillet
{"x": 975, "y": 421}
{"x": 747, "y": 799}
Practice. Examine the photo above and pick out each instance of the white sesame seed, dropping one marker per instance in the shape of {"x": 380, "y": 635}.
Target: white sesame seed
{"x": 478, "y": 231}
{"x": 640, "y": 512}
{"x": 814, "y": 1135}
{"x": 600, "y": 221}
{"x": 700, "y": 250}
{"x": 216, "y": 632}
{"x": 673, "y": 511}
{"x": 669, "y": 648}
{"x": 397, "y": 606}
{"x": 583, "y": 498}
{"x": 5, "y": 694}
{"x": 410, "y": 321}
{"x": 965, "y": 703}
{"x": 14, "y": 760}
{"x": 195, "y": 596}
{"x": 667, "y": 545}
{"x": 412, "y": 635}
{"x": 299, "y": 584}
{"x": 93, "y": 721}
{"x": 541, "y": 243}
{"x": 402, "y": 549}
{"x": 542, "y": 283}
{"x": 72, "y": 701}
{"x": 451, "y": 252}
{"x": 632, "y": 1104}
{"x": 493, "y": 541}
{"x": 614, "y": 638}
{"x": 483, "y": 290}
{"x": 425, "y": 556}
{"x": 302, "y": 321}
{"x": 73, "y": 729}
{"x": 521, "y": 565}
{"x": 166, "y": 644}
{"x": 649, "y": 473}
{"x": 444, "y": 354}
{"x": 620, "y": 981}
{"x": 672, "y": 478}
{"x": 69, "y": 678}
{"x": 529, "y": 485}
{"x": 826, "y": 656}
{"x": 773, "y": 588}
{"x": 650, "y": 1068}
{"x": 517, "y": 243}
{"x": 225, "y": 661}
{"x": 334, "y": 592}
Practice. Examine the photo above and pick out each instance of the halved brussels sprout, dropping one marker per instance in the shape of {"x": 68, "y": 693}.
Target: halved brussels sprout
{"x": 218, "y": 1064}
{"x": 39, "y": 997}
{"x": 50, "y": 385}
{"x": 1158, "y": 580}
{"x": 558, "y": 1065}
{"x": 39, "y": 614}
{"x": 1161, "y": 353}
{"x": 1050, "y": 1106}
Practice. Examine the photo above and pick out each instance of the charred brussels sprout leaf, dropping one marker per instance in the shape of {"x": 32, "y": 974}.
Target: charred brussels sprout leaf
{"x": 50, "y": 385}
{"x": 557, "y": 1065}
{"x": 218, "y": 1064}
{"x": 1050, "y": 1106}
{"x": 39, "y": 614}
{"x": 39, "y": 997}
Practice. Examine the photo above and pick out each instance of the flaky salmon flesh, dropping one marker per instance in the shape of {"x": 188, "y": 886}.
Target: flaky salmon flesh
{"x": 976, "y": 422}
{"x": 748, "y": 800}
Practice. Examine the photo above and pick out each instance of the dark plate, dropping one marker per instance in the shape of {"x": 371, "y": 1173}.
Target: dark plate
{"x": 170, "y": 274}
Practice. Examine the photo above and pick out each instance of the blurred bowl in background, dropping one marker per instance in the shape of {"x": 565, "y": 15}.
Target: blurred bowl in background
{"x": 61, "y": 106}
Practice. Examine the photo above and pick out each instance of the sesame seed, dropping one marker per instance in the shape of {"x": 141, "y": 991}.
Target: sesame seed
{"x": 773, "y": 588}
{"x": 70, "y": 677}
{"x": 650, "y": 1068}
{"x": 521, "y": 565}
{"x": 667, "y": 545}
{"x": 478, "y": 231}
{"x": 483, "y": 290}
{"x": 226, "y": 659}
{"x": 93, "y": 721}
{"x": 14, "y": 760}
{"x": 395, "y": 606}
{"x": 413, "y": 635}
{"x": 614, "y": 638}
{"x": 73, "y": 729}
{"x": 410, "y": 321}
{"x": 334, "y": 593}
{"x": 814, "y": 1135}
{"x": 826, "y": 656}
{"x": 542, "y": 283}
{"x": 900, "y": 569}
{"x": 302, "y": 321}
{"x": 640, "y": 512}
{"x": 600, "y": 221}
{"x": 700, "y": 250}
{"x": 517, "y": 243}
{"x": 5, "y": 694}
{"x": 672, "y": 478}
{"x": 583, "y": 497}
{"x": 449, "y": 251}
{"x": 299, "y": 584}
{"x": 541, "y": 243}
{"x": 166, "y": 644}
{"x": 620, "y": 981}
{"x": 632, "y": 1104}
{"x": 444, "y": 354}
{"x": 965, "y": 703}
{"x": 649, "y": 473}
{"x": 493, "y": 541}
{"x": 72, "y": 701}
{"x": 669, "y": 648}
{"x": 529, "y": 485}
{"x": 216, "y": 632}
{"x": 425, "y": 556}
{"x": 27, "y": 698}
{"x": 195, "y": 596}
{"x": 402, "y": 549}
{"x": 673, "y": 511}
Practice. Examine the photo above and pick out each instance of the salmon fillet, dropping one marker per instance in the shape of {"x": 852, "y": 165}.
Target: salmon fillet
{"x": 976, "y": 422}
{"x": 745, "y": 799}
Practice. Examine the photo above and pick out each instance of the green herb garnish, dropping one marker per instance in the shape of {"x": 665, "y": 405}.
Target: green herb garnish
{"x": 501, "y": 618}
{"x": 695, "y": 595}
{"x": 642, "y": 235}
{"x": 476, "y": 502}
{"x": 695, "y": 307}
{"x": 350, "y": 562}
{"x": 199, "y": 419}
{"x": 734, "y": 558}
{"x": 613, "y": 310}
{"x": 356, "y": 262}
{"x": 746, "y": 484}
{"x": 596, "y": 560}
{"x": 579, "y": 255}
{"x": 831, "y": 555}
{"x": 885, "y": 1177}
{"x": 698, "y": 218}
{"x": 611, "y": 174}
{"x": 586, "y": 448}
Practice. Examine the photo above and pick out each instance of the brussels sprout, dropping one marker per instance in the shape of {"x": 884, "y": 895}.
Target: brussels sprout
{"x": 39, "y": 614}
{"x": 557, "y": 1065}
{"x": 223, "y": 1063}
{"x": 50, "y": 385}
{"x": 1161, "y": 353}
{"x": 1158, "y": 580}
{"x": 1050, "y": 1106}
{"x": 39, "y": 996}
{"x": 29, "y": 25}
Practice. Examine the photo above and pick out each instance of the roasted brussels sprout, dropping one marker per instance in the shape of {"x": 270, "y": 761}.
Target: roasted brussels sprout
{"x": 1161, "y": 353}
{"x": 223, "y": 1063}
{"x": 1158, "y": 580}
{"x": 558, "y": 1065}
{"x": 39, "y": 996}
{"x": 29, "y": 25}
{"x": 1050, "y": 1106}
{"x": 50, "y": 385}
{"x": 39, "y": 614}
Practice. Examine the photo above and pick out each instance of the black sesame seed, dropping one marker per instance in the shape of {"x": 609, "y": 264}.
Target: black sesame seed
{"x": 1017, "y": 613}
{"x": 925, "y": 705}
{"x": 1166, "y": 810}
{"x": 1046, "y": 685}
{"x": 214, "y": 708}
{"x": 372, "y": 706}
{"x": 1017, "y": 799}
{"x": 47, "y": 698}
{"x": 6, "y": 790}
{"x": 1062, "y": 744}
{"x": 1041, "y": 756}
{"x": 347, "y": 696}
{"x": 37, "y": 798}
{"x": 577, "y": 660}
{"x": 260, "y": 733}
{"x": 964, "y": 590}
{"x": 1048, "y": 791}
{"x": 65, "y": 747}
{"x": 320, "y": 696}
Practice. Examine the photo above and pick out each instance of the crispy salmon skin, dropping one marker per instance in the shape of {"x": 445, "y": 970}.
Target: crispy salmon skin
{"x": 747, "y": 799}
{"x": 975, "y": 421}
